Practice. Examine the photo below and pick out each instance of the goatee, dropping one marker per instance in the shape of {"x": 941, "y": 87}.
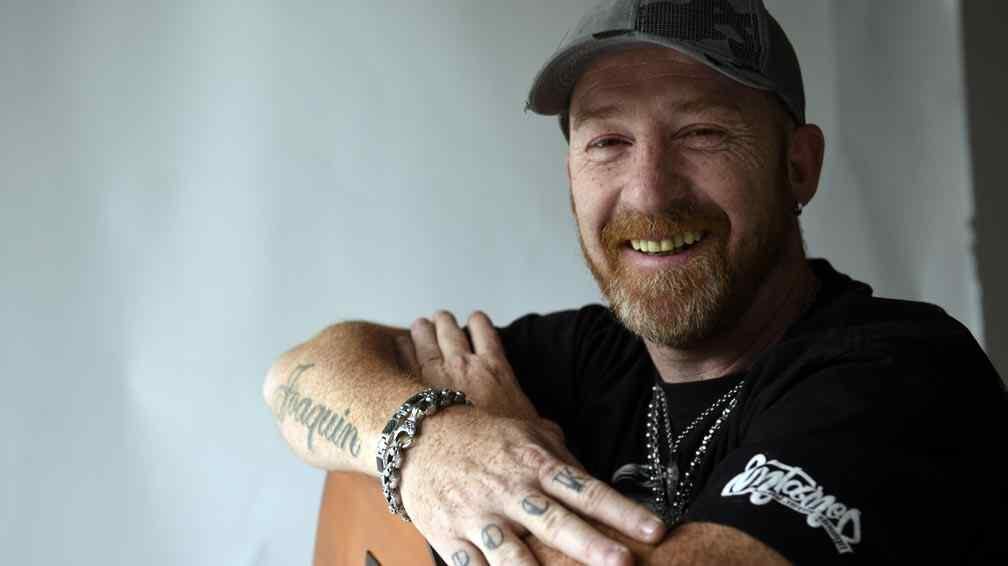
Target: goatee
{"x": 680, "y": 307}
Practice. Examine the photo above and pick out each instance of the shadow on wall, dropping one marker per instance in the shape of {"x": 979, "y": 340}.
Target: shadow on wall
{"x": 987, "y": 91}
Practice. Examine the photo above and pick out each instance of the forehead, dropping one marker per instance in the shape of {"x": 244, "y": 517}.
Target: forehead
{"x": 657, "y": 73}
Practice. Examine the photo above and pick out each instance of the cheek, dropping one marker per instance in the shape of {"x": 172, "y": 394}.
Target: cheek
{"x": 592, "y": 206}
{"x": 732, "y": 192}
{"x": 739, "y": 179}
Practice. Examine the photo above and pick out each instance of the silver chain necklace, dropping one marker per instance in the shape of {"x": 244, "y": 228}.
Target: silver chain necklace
{"x": 670, "y": 488}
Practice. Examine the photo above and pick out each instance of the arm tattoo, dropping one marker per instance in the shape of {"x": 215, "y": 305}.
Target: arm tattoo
{"x": 535, "y": 505}
{"x": 316, "y": 417}
{"x": 460, "y": 558}
{"x": 493, "y": 536}
{"x": 567, "y": 478}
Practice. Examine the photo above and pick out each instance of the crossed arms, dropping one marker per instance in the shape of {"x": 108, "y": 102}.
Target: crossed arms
{"x": 488, "y": 484}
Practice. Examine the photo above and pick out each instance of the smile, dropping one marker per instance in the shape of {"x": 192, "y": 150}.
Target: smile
{"x": 679, "y": 243}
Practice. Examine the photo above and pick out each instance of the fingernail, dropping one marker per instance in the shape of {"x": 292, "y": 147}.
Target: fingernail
{"x": 617, "y": 556}
{"x": 651, "y": 527}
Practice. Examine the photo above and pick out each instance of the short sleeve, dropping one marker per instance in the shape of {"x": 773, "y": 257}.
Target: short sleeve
{"x": 867, "y": 460}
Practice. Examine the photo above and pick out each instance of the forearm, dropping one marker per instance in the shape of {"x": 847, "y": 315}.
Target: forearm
{"x": 332, "y": 395}
{"x": 687, "y": 544}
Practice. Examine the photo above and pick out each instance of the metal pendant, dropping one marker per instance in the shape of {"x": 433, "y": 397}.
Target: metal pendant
{"x": 671, "y": 479}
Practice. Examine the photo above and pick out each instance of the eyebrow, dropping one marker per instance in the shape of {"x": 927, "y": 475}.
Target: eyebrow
{"x": 694, "y": 106}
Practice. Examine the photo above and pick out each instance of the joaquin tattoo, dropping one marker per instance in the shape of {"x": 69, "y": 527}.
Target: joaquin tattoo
{"x": 317, "y": 418}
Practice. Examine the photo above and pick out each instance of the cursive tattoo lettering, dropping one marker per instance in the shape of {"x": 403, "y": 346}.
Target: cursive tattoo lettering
{"x": 317, "y": 418}
{"x": 567, "y": 478}
{"x": 460, "y": 558}
{"x": 535, "y": 505}
{"x": 493, "y": 536}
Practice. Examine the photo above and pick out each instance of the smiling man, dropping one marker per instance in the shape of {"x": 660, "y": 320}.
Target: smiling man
{"x": 735, "y": 402}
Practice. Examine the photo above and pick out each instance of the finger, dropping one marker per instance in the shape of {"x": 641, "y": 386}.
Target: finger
{"x": 407, "y": 355}
{"x": 459, "y": 553}
{"x": 449, "y": 336}
{"x": 554, "y": 525}
{"x": 500, "y": 545}
{"x": 425, "y": 341}
{"x": 590, "y": 497}
{"x": 484, "y": 336}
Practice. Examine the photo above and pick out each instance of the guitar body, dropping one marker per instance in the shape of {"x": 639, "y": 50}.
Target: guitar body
{"x": 355, "y": 527}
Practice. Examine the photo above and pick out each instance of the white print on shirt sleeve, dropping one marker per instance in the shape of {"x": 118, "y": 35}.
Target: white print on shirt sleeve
{"x": 790, "y": 486}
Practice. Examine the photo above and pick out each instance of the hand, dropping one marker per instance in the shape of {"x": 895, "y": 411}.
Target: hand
{"x": 440, "y": 354}
{"x": 479, "y": 479}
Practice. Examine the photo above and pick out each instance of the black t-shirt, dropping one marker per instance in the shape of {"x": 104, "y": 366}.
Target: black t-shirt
{"x": 870, "y": 432}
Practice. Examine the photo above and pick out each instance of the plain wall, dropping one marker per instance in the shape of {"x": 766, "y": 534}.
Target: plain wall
{"x": 987, "y": 73}
{"x": 189, "y": 188}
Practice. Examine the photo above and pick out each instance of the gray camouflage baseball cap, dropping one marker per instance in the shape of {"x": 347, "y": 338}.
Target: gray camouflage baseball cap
{"x": 738, "y": 38}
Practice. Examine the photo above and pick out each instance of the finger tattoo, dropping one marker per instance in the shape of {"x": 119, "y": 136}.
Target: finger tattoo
{"x": 493, "y": 536}
{"x": 460, "y": 558}
{"x": 535, "y": 505}
{"x": 569, "y": 479}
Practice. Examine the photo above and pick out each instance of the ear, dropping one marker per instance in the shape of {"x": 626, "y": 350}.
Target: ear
{"x": 805, "y": 160}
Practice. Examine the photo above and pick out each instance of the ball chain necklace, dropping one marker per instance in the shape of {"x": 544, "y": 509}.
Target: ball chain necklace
{"x": 672, "y": 489}
{"x": 666, "y": 481}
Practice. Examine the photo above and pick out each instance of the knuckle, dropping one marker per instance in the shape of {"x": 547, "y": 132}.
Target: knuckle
{"x": 458, "y": 365}
{"x": 535, "y": 458}
{"x": 419, "y": 324}
{"x": 478, "y": 316}
{"x": 595, "y": 496}
{"x": 500, "y": 368}
{"x": 484, "y": 365}
{"x": 511, "y": 552}
{"x": 552, "y": 521}
{"x": 548, "y": 471}
{"x": 595, "y": 547}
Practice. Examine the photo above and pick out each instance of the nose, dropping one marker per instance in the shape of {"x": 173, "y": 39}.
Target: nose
{"x": 657, "y": 181}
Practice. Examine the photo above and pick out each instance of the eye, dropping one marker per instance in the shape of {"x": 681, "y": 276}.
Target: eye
{"x": 702, "y": 132}
{"x": 603, "y": 143}
{"x": 606, "y": 148}
{"x": 704, "y": 137}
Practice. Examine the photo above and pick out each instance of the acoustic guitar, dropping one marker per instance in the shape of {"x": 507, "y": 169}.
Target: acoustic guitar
{"x": 355, "y": 527}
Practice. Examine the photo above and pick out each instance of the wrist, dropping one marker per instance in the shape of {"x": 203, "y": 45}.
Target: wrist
{"x": 398, "y": 436}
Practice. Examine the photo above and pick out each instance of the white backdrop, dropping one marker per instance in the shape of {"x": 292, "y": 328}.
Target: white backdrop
{"x": 189, "y": 188}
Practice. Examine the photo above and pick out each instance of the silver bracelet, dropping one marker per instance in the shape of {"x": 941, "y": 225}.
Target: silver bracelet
{"x": 399, "y": 433}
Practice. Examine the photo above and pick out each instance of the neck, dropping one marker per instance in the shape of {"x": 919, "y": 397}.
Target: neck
{"x": 779, "y": 303}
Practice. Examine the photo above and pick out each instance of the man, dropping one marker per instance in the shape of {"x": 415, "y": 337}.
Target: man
{"x": 765, "y": 407}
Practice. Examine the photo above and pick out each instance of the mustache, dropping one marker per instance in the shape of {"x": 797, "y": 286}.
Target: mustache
{"x": 631, "y": 225}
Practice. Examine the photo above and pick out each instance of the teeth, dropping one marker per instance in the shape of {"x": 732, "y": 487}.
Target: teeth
{"x": 674, "y": 244}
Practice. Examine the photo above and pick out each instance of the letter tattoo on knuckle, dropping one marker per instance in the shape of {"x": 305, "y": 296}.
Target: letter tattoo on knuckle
{"x": 567, "y": 478}
{"x": 535, "y": 505}
{"x": 460, "y": 558}
{"x": 493, "y": 536}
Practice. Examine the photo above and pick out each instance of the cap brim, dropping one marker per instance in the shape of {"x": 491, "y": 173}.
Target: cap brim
{"x": 553, "y": 85}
